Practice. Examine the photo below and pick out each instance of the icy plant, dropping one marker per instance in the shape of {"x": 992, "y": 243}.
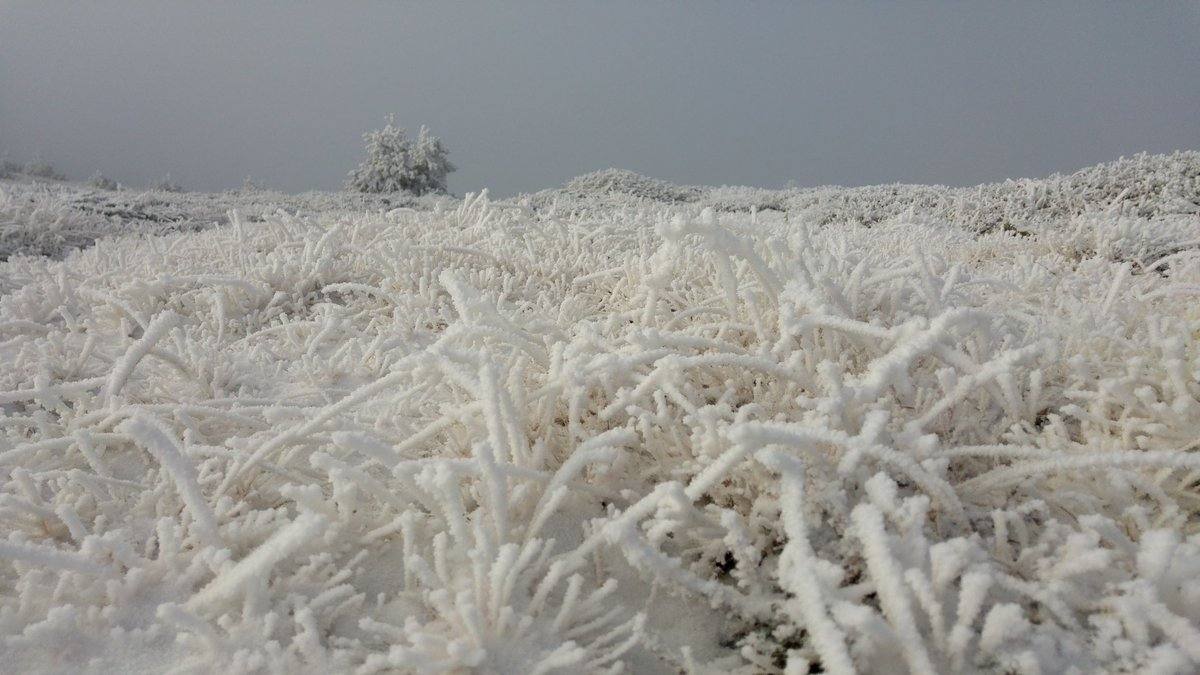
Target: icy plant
{"x": 251, "y": 185}
{"x": 101, "y": 182}
{"x": 42, "y": 169}
{"x": 630, "y": 184}
{"x": 606, "y": 435}
{"x": 166, "y": 185}
{"x": 33, "y": 222}
{"x": 396, "y": 164}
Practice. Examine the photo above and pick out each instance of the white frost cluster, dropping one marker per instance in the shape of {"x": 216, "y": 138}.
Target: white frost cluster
{"x": 33, "y": 222}
{"x": 639, "y": 438}
{"x": 396, "y": 164}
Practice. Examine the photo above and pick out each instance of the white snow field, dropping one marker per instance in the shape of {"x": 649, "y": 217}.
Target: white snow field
{"x": 619, "y": 426}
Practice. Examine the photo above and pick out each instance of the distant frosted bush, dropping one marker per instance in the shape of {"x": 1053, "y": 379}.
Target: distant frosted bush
{"x": 396, "y": 164}
{"x": 166, "y": 185}
{"x": 101, "y": 182}
{"x": 622, "y": 182}
{"x": 41, "y": 169}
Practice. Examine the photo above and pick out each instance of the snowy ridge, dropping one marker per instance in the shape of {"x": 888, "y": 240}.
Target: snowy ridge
{"x": 525, "y": 438}
{"x": 1145, "y": 185}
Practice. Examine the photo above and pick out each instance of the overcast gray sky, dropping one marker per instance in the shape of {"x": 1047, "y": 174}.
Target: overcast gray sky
{"x": 527, "y": 95}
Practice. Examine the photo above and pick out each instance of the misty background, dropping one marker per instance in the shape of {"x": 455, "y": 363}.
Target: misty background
{"x": 528, "y": 95}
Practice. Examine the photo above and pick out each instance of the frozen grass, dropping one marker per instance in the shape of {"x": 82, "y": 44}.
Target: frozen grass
{"x": 598, "y": 432}
{"x": 53, "y": 218}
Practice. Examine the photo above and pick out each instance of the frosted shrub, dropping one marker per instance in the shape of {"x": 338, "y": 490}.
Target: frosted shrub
{"x": 1122, "y": 238}
{"x": 32, "y": 222}
{"x": 396, "y": 164}
{"x": 167, "y": 185}
{"x": 101, "y": 182}
{"x": 630, "y": 184}
{"x": 41, "y": 169}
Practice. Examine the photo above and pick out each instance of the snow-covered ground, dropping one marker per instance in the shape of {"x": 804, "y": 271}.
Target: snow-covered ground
{"x": 618, "y": 425}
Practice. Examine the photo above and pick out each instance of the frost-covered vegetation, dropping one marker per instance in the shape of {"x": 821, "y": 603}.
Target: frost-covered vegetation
{"x": 54, "y": 219}
{"x": 879, "y": 429}
{"x": 42, "y": 169}
{"x": 394, "y": 163}
{"x": 1143, "y": 185}
{"x": 165, "y": 184}
{"x": 99, "y": 181}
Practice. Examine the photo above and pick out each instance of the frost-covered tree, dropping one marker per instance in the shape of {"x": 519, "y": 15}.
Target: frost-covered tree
{"x": 394, "y": 163}
{"x": 430, "y": 162}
